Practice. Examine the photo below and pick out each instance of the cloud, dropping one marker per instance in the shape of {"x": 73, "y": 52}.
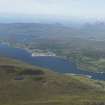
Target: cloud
{"x": 58, "y": 8}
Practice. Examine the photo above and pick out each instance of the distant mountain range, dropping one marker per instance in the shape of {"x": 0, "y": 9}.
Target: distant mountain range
{"x": 87, "y": 31}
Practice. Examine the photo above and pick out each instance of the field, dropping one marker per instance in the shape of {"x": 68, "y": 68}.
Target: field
{"x": 23, "y": 84}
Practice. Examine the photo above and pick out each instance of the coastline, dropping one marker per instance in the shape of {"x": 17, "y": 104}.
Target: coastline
{"x": 100, "y": 76}
{"x": 71, "y": 74}
{"x": 34, "y": 54}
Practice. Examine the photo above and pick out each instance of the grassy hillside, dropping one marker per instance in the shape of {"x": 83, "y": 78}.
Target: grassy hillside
{"x": 23, "y": 84}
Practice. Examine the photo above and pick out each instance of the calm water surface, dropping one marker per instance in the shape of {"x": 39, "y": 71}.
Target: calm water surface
{"x": 54, "y": 63}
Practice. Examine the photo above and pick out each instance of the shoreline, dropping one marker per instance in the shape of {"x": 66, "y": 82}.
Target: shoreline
{"x": 34, "y": 54}
{"x": 72, "y": 74}
{"x": 82, "y": 74}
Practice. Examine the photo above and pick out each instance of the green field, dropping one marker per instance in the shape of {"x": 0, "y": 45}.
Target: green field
{"x": 23, "y": 84}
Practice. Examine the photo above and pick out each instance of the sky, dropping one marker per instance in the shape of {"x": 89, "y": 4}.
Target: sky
{"x": 54, "y": 9}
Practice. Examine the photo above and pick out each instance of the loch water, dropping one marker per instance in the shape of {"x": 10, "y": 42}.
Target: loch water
{"x": 54, "y": 63}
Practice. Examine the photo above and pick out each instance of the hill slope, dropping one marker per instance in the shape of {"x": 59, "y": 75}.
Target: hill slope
{"x": 23, "y": 84}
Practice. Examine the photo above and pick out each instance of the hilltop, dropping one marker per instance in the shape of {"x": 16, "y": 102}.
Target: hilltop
{"x": 23, "y": 84}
